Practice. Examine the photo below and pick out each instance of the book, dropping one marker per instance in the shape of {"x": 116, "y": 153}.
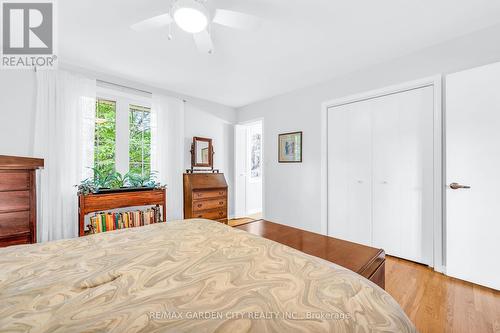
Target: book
{"x": 103, "y": 222}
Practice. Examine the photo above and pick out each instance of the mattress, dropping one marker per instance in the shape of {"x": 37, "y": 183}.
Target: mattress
{"x": 185, "y": 276}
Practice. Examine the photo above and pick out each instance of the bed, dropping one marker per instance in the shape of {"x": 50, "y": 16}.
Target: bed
{"x": 185, "y": 276}
{"x": 367, "y": 261}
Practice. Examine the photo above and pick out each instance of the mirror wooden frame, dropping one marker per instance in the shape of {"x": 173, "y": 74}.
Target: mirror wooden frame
{"x": 210, "y": 163}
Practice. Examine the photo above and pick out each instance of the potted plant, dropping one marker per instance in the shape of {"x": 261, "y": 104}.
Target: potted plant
{"x": 109, "y": 182}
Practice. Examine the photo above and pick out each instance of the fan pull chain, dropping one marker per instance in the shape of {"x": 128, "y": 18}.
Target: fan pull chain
{"x": 209, "y": 30}
{"x": 170, "y": 37}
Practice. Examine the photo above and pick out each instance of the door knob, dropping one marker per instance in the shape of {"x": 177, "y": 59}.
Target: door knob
{"x": 457, "y": 186}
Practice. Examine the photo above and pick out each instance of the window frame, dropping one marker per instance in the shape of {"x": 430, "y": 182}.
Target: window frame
{"x": 123, "y": 102}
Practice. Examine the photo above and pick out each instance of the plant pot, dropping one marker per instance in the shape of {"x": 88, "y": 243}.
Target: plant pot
{"x": 123, "y": 189}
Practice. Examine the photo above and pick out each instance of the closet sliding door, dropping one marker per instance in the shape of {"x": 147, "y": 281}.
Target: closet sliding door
{"x": 380, "y": 173}
{"x": 349, "y": 197}
{"x": 402, "y": 148}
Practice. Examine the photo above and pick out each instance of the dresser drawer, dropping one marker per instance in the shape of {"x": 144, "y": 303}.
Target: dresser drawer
{"x": 14, "y": 201}
{"x": 208, "y": 194}
{"x": 209, "y": 204}
{"x": 14, "y": 223}
{"x": 211, "y": 215}
{"x": 15, "y": 240}
{"x": 14, "y": 181}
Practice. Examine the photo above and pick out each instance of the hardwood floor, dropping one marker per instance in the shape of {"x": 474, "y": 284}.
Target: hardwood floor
{"x": 242, "y": 220}
{"x": 438, "y": 303}
{"x": 239, "y": 221}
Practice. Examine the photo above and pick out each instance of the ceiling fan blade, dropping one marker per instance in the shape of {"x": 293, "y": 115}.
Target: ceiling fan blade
{"x": 236, "y": 20}
{"x": 203, "y": 41}
{"x": 153, "y": 23}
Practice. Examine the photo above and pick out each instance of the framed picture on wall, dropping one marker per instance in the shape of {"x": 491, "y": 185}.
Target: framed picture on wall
{"x": 290, "y": 147}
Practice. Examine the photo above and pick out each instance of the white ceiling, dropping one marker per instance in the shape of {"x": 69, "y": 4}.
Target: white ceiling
{"x": 299, "y": 44}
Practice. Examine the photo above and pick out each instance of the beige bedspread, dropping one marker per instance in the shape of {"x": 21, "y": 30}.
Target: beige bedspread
{"x": 185, "y": 276}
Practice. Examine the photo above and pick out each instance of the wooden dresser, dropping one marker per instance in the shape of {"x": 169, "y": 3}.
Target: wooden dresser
{"x": 205, "y": 196}
{"x": 18, "y": 199}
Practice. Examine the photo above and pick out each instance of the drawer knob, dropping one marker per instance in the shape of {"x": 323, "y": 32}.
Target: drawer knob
{"x": 221, "y": 213}
{"x": 221, "y": 202}
{"x": 199, "y": 205}
{"x": 221, "y": 193}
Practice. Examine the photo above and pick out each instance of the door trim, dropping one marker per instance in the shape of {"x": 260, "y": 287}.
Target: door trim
{"x": 438, "y": 193}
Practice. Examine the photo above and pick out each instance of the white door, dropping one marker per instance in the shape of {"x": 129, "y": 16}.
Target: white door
{"x": 473, "y": 159}
{"x": 349, "y": 173}
{"x": 240, "y": 176}
{"x": 403, "y": 174}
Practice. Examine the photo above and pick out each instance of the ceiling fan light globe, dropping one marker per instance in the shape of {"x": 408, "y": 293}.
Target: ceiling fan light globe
{"x": 190, "y": 16}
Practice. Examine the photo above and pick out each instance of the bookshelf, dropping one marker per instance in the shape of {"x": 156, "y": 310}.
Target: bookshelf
{"x": 92, "y": 203}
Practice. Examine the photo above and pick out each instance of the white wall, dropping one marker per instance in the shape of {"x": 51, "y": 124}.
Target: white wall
{"x": 198, "y": 122}
{"x": 292, "y": 192}
{"x": 17, "y": 111}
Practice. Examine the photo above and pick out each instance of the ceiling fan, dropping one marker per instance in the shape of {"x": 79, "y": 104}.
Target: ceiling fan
{"x": 195, "y": 17}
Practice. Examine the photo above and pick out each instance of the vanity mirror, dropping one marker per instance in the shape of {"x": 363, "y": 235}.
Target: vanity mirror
{"x": 202, "y": 153}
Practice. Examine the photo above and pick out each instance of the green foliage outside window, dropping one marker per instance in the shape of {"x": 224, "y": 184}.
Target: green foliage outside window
{"x": 105, "y": 136}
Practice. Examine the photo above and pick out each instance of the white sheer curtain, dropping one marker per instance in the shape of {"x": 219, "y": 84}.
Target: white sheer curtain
{"x": 167, "y": 149}
{"x": 64, "y": 137}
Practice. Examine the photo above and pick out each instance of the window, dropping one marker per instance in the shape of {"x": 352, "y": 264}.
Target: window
{"x": 140, "y": 140}
{"x": 122, "y": 133}
{"x": 105, "y": 136}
